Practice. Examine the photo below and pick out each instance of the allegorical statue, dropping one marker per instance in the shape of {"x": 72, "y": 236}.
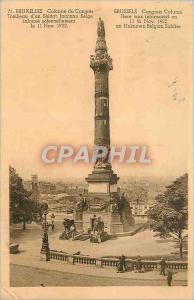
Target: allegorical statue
{"x": 82, "y": 203}
{"x": 101, "y": 29}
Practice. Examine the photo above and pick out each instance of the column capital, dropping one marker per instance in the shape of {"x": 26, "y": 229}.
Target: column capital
{"x": 101, "y": 62}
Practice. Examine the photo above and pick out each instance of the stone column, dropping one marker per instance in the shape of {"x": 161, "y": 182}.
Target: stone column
{"x": 101, "y": 63}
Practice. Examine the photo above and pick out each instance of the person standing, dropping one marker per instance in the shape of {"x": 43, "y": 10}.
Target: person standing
{"x": 139, "y": 264}
{"x": 100, "y": 225}
{"x": 123, "y": 262}
{"x": 121, "y": 267}
{"x": 72, "y": 231}
{"x": 52, "y": 221}
{"x": 95, "y": 225}
{"x": 93, "y": 220}
{"x": 162, "y": 266}
{"x": 169, "y": 278}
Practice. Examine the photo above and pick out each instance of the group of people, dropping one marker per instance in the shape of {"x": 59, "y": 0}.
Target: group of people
{"x": 97, "y": 224}
{"x": 122, "y": 266}
{"x": 96, "y": 229}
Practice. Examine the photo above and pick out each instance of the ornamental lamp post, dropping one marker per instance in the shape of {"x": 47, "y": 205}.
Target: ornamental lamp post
{"x": 45, "y": 243}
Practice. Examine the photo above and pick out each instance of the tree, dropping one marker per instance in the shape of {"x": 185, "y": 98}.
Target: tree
{"x": 137, "y": 193}
{"x": 22, "y": 207}
{"x": 169, "y": 216}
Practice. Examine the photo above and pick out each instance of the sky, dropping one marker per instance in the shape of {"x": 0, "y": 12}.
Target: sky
{"x": 48, "y": 95}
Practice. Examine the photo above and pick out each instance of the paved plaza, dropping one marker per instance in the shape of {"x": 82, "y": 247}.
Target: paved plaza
{"x": 31, "y": 276}
{"x": 26, "y": 264}
{"x": 143, "y": 243}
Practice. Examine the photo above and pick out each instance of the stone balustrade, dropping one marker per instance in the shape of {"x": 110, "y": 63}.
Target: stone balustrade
{"x": 112, "y": 262}
{"x": 58, "y": 255}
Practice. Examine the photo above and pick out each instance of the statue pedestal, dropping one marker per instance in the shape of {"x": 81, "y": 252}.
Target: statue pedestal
{"x": 44, "y": 256}
{"x": 112, "y": 221}
{"x": 116, "y": 225}
{"x": 104, "y": 202}
{"x": 78, "y": 220}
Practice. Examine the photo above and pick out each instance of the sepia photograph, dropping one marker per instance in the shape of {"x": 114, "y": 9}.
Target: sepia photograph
{"x": 96, "y": 149}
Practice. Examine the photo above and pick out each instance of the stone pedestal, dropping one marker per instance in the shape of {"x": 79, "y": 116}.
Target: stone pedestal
{"x": 44, "y": 256}
{"x": 116, "y": 225}
{"x": 112, "y": 221}
{"x": 102, "y": 180}
{"x": 71, "y": 260}
{"x": 78, "y": 219}
{"x": 98, "y": 263}
{"x": 103, "y": 201}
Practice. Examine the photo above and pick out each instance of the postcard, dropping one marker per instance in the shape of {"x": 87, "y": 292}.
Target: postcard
{"x": 96, "y": 149}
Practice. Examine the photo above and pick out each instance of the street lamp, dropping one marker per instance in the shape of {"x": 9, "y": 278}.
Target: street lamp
{"x": 45, "y": 243}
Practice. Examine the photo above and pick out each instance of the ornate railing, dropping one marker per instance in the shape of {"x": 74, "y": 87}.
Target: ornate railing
{"x": 177, "y": 265}
{"x": 86, "y": 260}
{"x": 113, "y": 262}
{"x": 58, "y": 255}
{"x": 109, "y": 262}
